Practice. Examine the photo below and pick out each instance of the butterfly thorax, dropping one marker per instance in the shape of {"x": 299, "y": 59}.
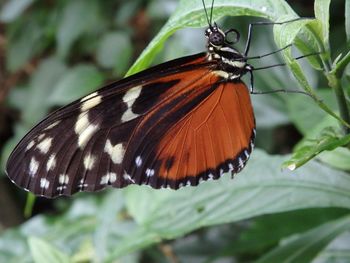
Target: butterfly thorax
{"x": 229, "y": 59}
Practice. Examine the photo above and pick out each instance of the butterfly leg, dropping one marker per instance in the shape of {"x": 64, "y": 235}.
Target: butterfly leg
{"x": 251, "y": 26}
{"x": 251, "y": 81}
{"x": 284, "y": 64}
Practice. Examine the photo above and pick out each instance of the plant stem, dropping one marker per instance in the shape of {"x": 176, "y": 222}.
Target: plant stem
{"x": 335, "y": 83}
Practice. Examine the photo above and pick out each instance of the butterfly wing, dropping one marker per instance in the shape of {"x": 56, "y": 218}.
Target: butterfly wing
{"x": 213, "y": 133}
{"x": 80, "y": 147}
{"x": 174, "y": 124}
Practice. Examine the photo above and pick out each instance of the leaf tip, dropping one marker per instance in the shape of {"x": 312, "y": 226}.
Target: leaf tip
{"x": 292, "y": 167}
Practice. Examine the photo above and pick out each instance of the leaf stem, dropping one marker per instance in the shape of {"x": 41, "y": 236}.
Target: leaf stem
{"x": 335, "y": 83}
{"x": 341, "y": 65}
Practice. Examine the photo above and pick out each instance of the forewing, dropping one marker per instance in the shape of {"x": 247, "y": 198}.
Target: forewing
{"x": 81, "y": 147}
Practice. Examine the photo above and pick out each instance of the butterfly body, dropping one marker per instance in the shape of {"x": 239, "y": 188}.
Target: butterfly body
{"x": 179, "y": 123}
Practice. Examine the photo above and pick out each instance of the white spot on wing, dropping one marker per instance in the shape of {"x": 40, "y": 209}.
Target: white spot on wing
{"x": 41, "y": 136}
{"x": 115, "y": 152}
{"x": 44, "y": 183}
{"x": 108, "y": 178}
{"x": 52, "y": 125}
{"x": 51, "y": 163}
{"x": 33, "y": 166}
{"x": 127, "y": 177}
{"x": 138, "y": 161}
{"x": 61, "y": 188}
{"x": 230, "y": 167}
{"x": 88, "y": 97}
{"x": 240, "y": 162}
{"x": 30, "y": 145}
{"x": 63, "y": 179}
{"x": 149, "y": 172}
{"x": 246, "y": 154}
{"x": 84, "y": 129}
{"x": 82, "y": 184}
{"x": 89, "y": 161}
{"x": 90, "y": 101}
{"x": 44, "y": 145}
{"x": 129, "y": 98}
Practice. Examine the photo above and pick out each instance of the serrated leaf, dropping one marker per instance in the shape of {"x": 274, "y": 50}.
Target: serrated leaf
{"x": 44, "y": 252}
{"x": 328, "y": 140}
{"x": 305, "y": 247}
{"x": 13, "y": 9}
{"x": 79, "y": 81}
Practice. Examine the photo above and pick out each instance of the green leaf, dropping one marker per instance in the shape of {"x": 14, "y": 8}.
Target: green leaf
{"x": 79, "y": 81}
{"x": 307, "y": 116}
{"x": 167, "y": 214}
{"x": 299, "y": 75}
{"x": 347, "y": 19}
{"x": 338, "y": 158}
{"x": 114, "y": 52}
{"x": 25, "y": 40}
{"x": 286, "y": 33}
{"x": 13, "y": 9}
{"x": 305, "y": 247}
{"x": 258, "y": 236}
{"x": 337, "y": 251}
{"x": 41, "y": 87}
{"x": 79, "y": 17}
{"x": 322, "y": 14}
{"x": 328, "y": 140}
{"x": 43, "y": 252}
{"x": 191, "y": 14}
{"x": 126, "y": 11}
{"x": 111, "y": 206}
{"x": 261, "y": 188}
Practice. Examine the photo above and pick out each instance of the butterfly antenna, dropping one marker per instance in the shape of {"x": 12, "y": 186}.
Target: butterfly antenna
{"x": 206, "y": 14}
{"x": 211, "y": 11}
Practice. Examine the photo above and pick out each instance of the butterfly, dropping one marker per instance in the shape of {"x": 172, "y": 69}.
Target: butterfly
{"x": 176, "y": 124}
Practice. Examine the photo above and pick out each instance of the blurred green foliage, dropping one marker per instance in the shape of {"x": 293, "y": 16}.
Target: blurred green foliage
{"x": 62, "y": 50}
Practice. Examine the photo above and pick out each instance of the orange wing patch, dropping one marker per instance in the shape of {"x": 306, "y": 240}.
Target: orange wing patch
{"x": 216, "y": 137}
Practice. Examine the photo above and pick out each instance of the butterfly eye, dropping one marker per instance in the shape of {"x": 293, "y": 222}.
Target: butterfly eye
{"x": 216, "y": 39}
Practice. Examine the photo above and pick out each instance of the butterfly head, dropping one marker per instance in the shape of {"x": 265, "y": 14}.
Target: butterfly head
{"x": 217, "y": 38}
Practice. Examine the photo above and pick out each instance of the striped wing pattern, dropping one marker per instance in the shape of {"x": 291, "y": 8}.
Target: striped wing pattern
{"x": 175, "y": 124}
